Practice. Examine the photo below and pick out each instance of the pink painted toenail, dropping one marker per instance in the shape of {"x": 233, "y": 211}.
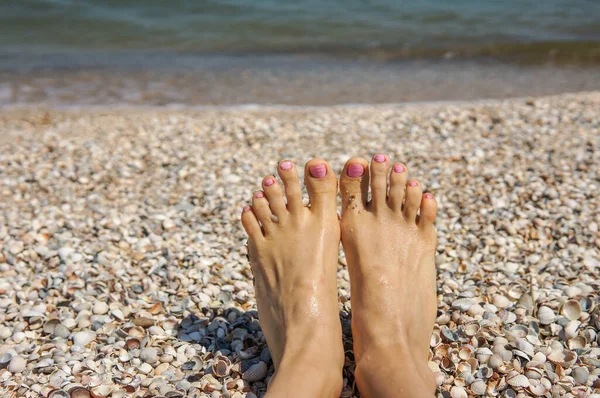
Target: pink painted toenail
{"x": 379, "y": 158}
{"x": 355, "y": 170}
{"x": 269, "y": 182}
{"x": 413, "y": 184}
{"x": 428, "y": 196}
{"x": 398, "y": 168}
{"x": 259, "y": 194}
{"x": 286, "y": 165}
{"x": 318, "y": 171}
{"x": 247, "y": 209}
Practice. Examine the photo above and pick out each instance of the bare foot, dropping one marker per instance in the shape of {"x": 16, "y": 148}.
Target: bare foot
{"x": 390, "y": 251}
{"x": 293, "y": 252}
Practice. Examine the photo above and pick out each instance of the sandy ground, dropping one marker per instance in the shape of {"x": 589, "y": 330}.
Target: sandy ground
{"x": 122, "y": 267}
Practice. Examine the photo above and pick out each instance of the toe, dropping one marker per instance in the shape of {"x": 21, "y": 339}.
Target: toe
{"x": 379, "y": 169}
{"x": 428, "y": 211}
{"x": 398, "y": 177}
{"x": 321, "y": 184}
{"x": 251, "y": 224}
{"x": 289, "y": 176}
{"x": 274, "y": 196}
{"x": 354, "y": 185}
{"x": 260, "y": 204}
{"x": 413, "y": 200}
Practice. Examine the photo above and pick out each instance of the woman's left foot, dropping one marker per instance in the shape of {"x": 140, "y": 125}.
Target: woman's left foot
{"x": 293, "y": 251}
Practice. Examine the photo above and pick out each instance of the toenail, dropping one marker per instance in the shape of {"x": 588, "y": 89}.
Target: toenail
{"x": 259, "y": 194}
{"x": 379, "y": 158}
{"x": 398, "y": 168}
{"x": 355, "y": 170}
{"x": 318, "y": 171}
{"x": 269, "y": 181}
{"x": 247, "y": 209}
{"x": 413, "y": 184}
{"x": 286, "y": 165}
{"x": 428, "y": 196}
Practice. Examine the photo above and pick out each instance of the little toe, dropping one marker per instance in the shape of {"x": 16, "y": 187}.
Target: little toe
{"x": 274, "y": 196}
{"x": 354, "y": 185}
{"x": 413, "y": 200}
{"x": 289, "y": 176}
{"x": 250, "y": 224}
{"x": 379, "y": 169}
{"x": 398, "y": 177}
{"x": 428, "y": 211}
{"x": 260, "y": 204}
{"x": 321, "y": 184}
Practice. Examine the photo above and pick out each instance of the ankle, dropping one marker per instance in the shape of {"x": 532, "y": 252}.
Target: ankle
{"x": 381, "y": 371}
{"x": 307, "y": 373}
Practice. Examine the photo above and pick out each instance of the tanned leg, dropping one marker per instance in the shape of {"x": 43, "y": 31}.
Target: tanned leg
{"x": 293, "y": 252}
{"x": 390, "y": 248}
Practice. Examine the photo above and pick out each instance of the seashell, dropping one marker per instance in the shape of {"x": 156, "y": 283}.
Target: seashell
{"x": 484, "y": 372}
{"x": 255, "y": 372}
{"x": 537, "y": 388}
{"x": 525, "y": 301}
{"x": 463, "y": 304}
{"x": 83, "y": 338}
{"x": 483, "y": 354}
{"x": 439, "y": 378}
{"x": 572, "y": 291}
{"x": 507, "y": 316}
{"x": 101, "y": 391}
{"x": 458, "y": 392}
{"x": 50, "y": 325}
{"x": 132, "y": 344}
{"x": 448, "y": 335}
{"x": 580, "y": 374}
{"x": 495, "y": 361}
{"x": 571, "y": 309}
{"x": 149, "y": 355}
{"x": 524, "y": 345}
{"x": 435, "y": 339}
{"x": 443, "y": 319}
{"x": 145, "y": 368}
{"x": 79, "y": 392}
{"x": 58, "y": 394}
{"x": 221, "y": 366}
{"x": 471, "y": 328}
{"x": 564, "y": 358}
{"x": 571, "y": 329}
{"x": 5, "y": 359}
{"x": 478, "y": 387}
{"x": 156, "y": 308}
{"x": 545, "y": 315}
{"x": 586, "y": 304}
{"x": 519, "y": 381}
{"x": 465, "y": 352}
{"x": 517, "y": 332}
{"x": 501, "y": 301}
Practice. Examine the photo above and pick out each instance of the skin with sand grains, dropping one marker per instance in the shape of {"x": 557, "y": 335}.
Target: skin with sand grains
{"x": 390, "y": 245}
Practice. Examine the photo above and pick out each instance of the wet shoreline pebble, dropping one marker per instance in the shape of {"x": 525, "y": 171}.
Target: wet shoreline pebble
{"x": 122, "y": 267}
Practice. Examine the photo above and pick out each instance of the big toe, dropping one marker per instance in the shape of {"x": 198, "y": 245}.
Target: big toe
{"x": 354, "y": 185}
{"x": 321, "y": 184}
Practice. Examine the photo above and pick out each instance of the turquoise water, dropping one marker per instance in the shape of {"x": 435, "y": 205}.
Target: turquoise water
{"x": 311, "y": 52}
{"x": 367, "y": 28}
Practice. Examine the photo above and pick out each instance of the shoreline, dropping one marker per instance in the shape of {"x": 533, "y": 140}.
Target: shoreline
{"x": 289, "y": 81}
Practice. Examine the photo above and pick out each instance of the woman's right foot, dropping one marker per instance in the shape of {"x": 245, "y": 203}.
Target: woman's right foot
{"x": 390, "y": 245}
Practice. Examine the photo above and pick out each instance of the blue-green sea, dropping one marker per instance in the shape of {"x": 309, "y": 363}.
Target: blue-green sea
{"x": 298, "y": 52}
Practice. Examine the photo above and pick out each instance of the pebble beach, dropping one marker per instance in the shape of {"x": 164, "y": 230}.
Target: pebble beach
{"x": 122, "y": 260}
